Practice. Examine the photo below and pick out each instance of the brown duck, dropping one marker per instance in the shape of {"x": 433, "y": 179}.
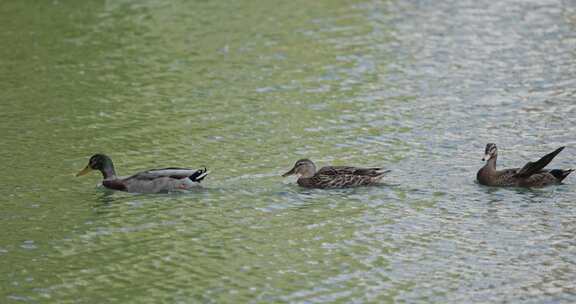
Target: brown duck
{"x": 334, "y": 177}
{"x": 531, "y": 175}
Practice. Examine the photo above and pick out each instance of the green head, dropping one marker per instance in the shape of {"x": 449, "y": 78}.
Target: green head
{"x": 101, "y": 163}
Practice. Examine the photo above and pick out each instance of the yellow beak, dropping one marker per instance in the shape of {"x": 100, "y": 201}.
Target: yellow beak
{"x": 84, "y": 171}
{"x": 289, "y": 172}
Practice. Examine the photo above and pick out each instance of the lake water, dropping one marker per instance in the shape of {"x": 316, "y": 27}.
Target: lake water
{"x": 246, "y": 88}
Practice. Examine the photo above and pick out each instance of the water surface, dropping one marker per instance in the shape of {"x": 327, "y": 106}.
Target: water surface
{"x": 248, "y": 87}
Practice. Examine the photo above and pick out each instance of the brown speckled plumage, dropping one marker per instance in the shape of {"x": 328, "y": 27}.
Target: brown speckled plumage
{"x": 334, "y": 177}
{"x": 531, "y": 175}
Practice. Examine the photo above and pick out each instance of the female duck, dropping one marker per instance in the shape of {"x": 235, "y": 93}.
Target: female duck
{"x": 334, "y": 177}
{"x": 151, "y": 181}
{"x": 531, "y": 175}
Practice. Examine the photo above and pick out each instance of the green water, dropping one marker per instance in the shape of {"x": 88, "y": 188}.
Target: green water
{"x": 246, "y": 88}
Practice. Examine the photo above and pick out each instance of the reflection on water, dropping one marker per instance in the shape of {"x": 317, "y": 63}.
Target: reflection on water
{"x": 246, "y": 89}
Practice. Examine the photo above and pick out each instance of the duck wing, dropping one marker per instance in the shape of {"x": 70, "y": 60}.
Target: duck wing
{"x": 344, "y": 170}
{"x": 175, "y": 173}
{"x": 536, "y": 167}
{"x": 324, "y": 181}
{"x": 544, "y": 178}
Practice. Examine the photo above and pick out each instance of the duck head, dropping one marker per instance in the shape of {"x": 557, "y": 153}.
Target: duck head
{"x": 302, "y": 168}
{"x": 101, "y": 163}
{"x": 490, "y": 152}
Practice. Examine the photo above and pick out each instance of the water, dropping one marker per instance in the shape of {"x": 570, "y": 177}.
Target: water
{"x": 246, "y": 88}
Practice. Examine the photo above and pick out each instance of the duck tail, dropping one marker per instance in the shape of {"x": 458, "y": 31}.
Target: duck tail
{"x": 560, "y": 174}
{"x": 199, "y": 175}
{"x": 381, "y": 172}
{"x": 568, "y": 171}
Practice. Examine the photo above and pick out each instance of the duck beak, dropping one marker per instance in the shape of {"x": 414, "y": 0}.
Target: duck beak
{"x": 84, "y": 171}
{"x": 289, "y": 172}
{"x": 486, "y": 157}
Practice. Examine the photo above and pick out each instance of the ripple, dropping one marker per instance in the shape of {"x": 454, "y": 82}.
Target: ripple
{"x": 245, "y": 90}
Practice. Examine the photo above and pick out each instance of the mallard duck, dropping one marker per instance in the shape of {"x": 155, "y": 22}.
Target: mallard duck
{"x": 334, "y": 177}
{"x": 151, "y": 181}
{"x": 531, "y": 175}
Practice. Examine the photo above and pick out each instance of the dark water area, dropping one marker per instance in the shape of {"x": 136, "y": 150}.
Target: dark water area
{"x": 246, "y": 88}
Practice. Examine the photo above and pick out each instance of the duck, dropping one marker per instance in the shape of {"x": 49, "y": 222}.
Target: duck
{"x": 531, "y": 175}
{"x": 150, "y": 181}
{"x": 333, "y": 177}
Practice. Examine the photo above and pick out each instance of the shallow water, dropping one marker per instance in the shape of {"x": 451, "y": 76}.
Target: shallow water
{"x": 246, "y": 88}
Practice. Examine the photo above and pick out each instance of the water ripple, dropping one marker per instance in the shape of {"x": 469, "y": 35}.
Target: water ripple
{"x": 246, "y": 89}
